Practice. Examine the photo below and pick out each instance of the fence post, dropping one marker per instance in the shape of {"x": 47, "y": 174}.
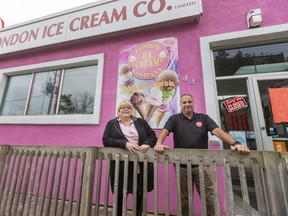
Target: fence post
{"x": 3, "y": 152}
{"x": 88, "y": 181}
{"x": 272, "y": 178}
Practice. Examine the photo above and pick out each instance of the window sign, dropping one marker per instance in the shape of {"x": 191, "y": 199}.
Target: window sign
{"x": 234, "y": 104}
{"x": 279, "y": 106}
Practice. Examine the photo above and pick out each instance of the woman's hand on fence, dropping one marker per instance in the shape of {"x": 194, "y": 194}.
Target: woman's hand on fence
{"x": 132, "y": 147}
{"x": 144, "y": 148}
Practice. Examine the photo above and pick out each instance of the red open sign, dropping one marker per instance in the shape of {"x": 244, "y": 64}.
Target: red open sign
{"x": 234, "y": 104}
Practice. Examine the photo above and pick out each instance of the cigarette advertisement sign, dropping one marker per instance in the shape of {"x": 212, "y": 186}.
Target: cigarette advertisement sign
{"x": 148, "y": 77}
{"x": 234, "y": 104}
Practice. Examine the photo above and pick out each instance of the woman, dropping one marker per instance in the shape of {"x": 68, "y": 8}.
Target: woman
{"x": 134, "y": 134}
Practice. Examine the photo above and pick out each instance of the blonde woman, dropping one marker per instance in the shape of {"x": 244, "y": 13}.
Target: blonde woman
{"x": 134, "y": 134}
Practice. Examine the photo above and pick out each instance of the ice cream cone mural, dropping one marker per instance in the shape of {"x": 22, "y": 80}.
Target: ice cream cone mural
{"x": 153, "y": 100}
{"x": 138, "y": 101}
{"x": 168, "y": 80}
{"x": 126, "y": 81}
{"x": 148, "y": 77}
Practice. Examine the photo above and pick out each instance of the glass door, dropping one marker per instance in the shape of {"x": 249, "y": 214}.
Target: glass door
{"x": 235, "y": 104}
{"x": 271, "y": 102}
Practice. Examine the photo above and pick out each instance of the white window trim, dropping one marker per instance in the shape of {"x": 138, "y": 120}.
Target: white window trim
{"x": 257, "y": 36}
{"x": 47, "y": 66}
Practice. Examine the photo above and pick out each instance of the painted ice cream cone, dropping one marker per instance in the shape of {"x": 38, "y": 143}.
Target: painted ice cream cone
{"x": 159, "y": 117}
{"x": 150, "y": 110}
{"x": 160, "y": 113}
{"x": 138, "y": 101}
{"x": 153, "y": 99}
{"x": 126, "y": 81}
{"x": 168, "y": 80}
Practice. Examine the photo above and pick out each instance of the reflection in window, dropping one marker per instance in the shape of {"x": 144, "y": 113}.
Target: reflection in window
{"x": 14, "y": 101}
{"x": 44, "y": 93}
{"x": 38, "y": 93}
{"x": 78, "y": 89}
{"x": 251, "y": 60}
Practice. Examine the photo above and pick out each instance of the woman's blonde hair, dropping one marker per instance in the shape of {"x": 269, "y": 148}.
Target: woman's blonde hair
{"x": 125, "y": 104}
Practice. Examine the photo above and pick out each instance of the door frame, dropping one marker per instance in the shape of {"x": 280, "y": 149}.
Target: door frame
{"x": 264, "y": 142}
{"x": 244, "y": 38}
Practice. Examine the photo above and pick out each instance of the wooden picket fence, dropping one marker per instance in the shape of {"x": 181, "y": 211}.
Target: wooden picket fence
{"x": 38, "y": 180}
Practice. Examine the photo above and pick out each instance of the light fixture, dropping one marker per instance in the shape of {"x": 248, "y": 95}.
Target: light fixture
{"x": 254, "y": 18}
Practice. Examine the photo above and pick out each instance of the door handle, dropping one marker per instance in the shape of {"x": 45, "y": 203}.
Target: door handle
{"x": 263, "y": 128}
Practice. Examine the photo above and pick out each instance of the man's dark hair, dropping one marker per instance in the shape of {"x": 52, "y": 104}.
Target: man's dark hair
{"x": 186, "y": 94}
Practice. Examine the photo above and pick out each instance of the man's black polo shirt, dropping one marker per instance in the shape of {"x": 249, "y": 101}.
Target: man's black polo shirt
{"x": 190, "y": 133}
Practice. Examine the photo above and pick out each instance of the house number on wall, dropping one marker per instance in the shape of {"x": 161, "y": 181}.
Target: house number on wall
{"x": 191, "y": 80}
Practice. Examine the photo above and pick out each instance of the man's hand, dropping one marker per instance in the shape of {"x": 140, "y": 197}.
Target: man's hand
{"x": 241, "y": 149}
{"x": 160, "y": 148}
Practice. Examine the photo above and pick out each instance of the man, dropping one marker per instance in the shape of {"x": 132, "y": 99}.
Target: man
{"x": 190, "y": 130}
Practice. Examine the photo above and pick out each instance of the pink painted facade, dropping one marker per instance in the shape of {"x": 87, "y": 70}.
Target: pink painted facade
{"x": 218, "y": 17}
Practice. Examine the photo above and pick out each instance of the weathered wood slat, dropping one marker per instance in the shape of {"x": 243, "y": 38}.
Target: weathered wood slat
{"x": 135, "y": 181}
{"x": 65, "y": 182}
{"x": 9, "y": 183}
{"x": 282, "y": 167}
{"x": 177, "y": 167}
{"x": 98, "y": 185}
{"x": 145, "y": 184}
{"x": 215, "y": 187}
{"x": 58, "y": 183}
{"x": 19, "y": 182}
{"x": 73, "y": 176}
{"x": 166, "y": 173}
{"x": 26, "y": 181}
{"x": 51, "y": 182}
{"x": 5, "y": 173}
{"x": 259, "y": 189}
{"x": 46, "y": 175}
{"x": 244, "y": 189}
{"x": 155, "y": 166}
{"x": 229, "y": 190}
{"x": 116, "y": 185}
{"x": 107, "y": 179}
{"x": 37, "y": 187}
{"x": 125, "y": 184}
{"x": 80, "y": 182}
{"x": 202, "y": 187}
{"x": 190, "y": 187}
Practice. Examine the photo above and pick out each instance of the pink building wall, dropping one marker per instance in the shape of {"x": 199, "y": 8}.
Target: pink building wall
{"x": 218, "y": 17}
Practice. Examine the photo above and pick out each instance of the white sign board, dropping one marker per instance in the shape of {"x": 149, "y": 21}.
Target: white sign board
{"x": 100, "y": 19}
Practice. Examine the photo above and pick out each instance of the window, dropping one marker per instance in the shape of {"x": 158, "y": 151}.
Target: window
{"x": 60, "y": 92}
{"x": 251, "y": 60}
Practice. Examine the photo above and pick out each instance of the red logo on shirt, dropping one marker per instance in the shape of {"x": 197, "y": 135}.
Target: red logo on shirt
{"x": 199, "y": 124}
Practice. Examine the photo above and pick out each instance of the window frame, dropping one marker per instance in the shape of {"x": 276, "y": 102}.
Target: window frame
{"x": 90, "y": 119}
